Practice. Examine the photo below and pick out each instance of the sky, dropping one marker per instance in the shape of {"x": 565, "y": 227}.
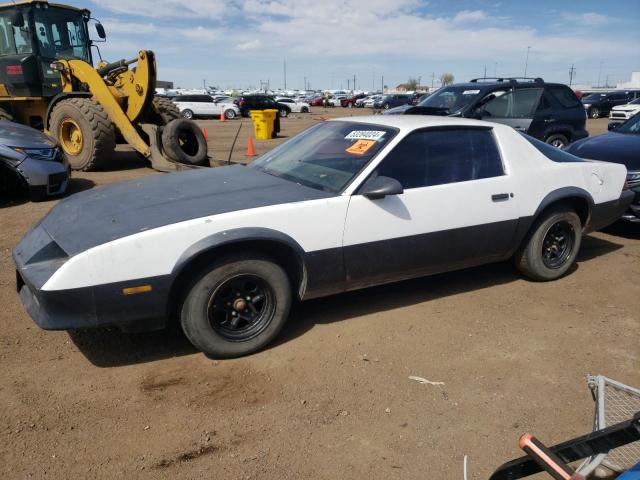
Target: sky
{"x": 241, "y": 43}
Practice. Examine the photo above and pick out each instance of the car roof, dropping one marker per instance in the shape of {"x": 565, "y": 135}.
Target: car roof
{"x": 413, "y": 122}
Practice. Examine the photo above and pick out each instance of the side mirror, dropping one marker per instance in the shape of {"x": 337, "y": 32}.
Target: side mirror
{"x": 17, "y": 20}
{"x": 100, "y": 29}
{"x": 613, "y": 125}
{"x": 380, "y": 187}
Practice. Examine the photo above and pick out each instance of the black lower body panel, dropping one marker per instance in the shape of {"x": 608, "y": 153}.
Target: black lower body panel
{"x": 604, "y": 214}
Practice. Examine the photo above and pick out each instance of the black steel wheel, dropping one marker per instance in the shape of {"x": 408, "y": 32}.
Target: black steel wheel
{"x": 241, "y": 307}
{"x": 551, "y": 247}
{"x": 237, "y": 306}
{"x": 557, "y": 244}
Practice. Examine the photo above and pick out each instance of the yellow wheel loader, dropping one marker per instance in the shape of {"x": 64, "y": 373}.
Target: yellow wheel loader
{"x": 47, "y": 81}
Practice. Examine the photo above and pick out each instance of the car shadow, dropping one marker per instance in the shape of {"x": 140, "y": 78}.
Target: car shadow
{"x": 79, "y": 185}
{"x": 112, "y": 348}
{"x": 109, "y": 347}
{"x": 624, "y": 229}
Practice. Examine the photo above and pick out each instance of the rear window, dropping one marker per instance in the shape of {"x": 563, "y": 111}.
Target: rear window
{"x": 551, "y": 152}
{"x": 565, "y": 96}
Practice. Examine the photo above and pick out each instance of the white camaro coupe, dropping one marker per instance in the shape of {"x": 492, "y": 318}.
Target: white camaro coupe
{"x": 346, "y": 204}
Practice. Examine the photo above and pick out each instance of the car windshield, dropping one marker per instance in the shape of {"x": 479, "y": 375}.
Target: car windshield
{"x": 451, "y": 99}
{"x": 328, "y": 155}
{"x": 630, "y": 126}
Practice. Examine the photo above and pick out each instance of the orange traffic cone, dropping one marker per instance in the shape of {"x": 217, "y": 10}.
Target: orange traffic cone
{"x": 222, "y": 119}
{"x": 204, "y": 134}
{"x": 251, "y": 151}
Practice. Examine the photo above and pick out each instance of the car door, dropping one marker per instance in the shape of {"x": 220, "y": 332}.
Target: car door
{"x": 458, "y": 208}
{"x": 515, "y": 108}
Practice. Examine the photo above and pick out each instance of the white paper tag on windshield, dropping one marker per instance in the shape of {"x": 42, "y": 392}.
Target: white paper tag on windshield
{"x": 470, "y": 92}
{"x": 365, "y": 135}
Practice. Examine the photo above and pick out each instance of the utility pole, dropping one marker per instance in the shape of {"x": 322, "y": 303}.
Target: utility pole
{"x": 382, "y": 84}
{"x": 526, "y": 62}
{"x": 285, "y": 73}
{"x": 572, "y": 72}
{"x": 433, "y": 77}
{"x": 419, "y": 81}
{"x": 485, "y": 71}
{"x": 348, "y": 83}
{"x": 599, "y": 73}
{"x": 305, "y": 84}
{"x": 354, "y": 82}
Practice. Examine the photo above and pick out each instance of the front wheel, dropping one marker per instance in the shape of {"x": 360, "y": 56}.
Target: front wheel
{"x": 237, "y": 307}
{"x": 594, "y": 113}
{"x": 284, "y": 112}
{"x": 304, "y": 110}
{"x": 386, "y": 106}
{"x": 552, "y": 247}
{"x": 229, "y": 114}
{"x": 187, "y": 114}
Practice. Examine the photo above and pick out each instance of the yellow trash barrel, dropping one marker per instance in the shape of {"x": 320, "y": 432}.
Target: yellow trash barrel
{"x": 263, "y": 123}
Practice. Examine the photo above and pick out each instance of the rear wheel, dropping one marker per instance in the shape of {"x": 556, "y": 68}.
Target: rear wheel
{"x": 557, "y": 140}
{"x": 229, "y": 114}
{"x": 284, "y": 112}
{"x": 594, "y": 113}
{"x": 237, "y": 307}
{"x": 304, "y": 110}
{"x": 84, "y": 132}
{"x": 187, "y": 114}
{"x": 552, "y": 247}
{"x": 386, "y": 106}
{"x": 168, "y": 110}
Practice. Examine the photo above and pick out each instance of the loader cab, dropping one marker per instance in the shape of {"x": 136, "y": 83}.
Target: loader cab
{"x": 32, "y": 36}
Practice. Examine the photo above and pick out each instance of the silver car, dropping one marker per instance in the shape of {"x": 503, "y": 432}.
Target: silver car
{"x": 31, "y": 162}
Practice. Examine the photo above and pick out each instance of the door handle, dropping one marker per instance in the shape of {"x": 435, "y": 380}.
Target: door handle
{"x": 500, "y": 197}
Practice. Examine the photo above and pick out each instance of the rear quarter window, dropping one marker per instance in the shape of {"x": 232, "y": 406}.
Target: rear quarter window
{"x": 565, "y": 96}
{"x": 551, "y": 152}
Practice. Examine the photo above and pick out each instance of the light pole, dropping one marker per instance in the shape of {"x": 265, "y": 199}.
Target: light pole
{"x": 526, "y": 62}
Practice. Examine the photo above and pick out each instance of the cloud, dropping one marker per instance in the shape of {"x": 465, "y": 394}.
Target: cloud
{"x": 469, "y": 16}
{"x": 168, "y": 8}
{"x": 589, "y": 19}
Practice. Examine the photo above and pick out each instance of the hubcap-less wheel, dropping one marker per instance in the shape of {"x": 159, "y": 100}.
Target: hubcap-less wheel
{"x": 595, "y": 113}
{"x": 557, "y": 143}
{"x": 70, "y": 136}
{"x": 241, "y": 307}
{"x": 557, "y": 245}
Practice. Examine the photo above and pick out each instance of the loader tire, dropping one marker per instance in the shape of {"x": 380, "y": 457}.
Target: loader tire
{"x": 183, "y": 142}
{"x": 5, "y": 115}
{"x": 84, "y": 131}
{"x": 168, "y": 110}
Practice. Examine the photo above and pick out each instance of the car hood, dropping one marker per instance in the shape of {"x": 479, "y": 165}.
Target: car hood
{"x": 610, "y": 147}
{"x": 16, "y": 135}
{"x": 101, "y": 215}
{"x": 398, "y": 110}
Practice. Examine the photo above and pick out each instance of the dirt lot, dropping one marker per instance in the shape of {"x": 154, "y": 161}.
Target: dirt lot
{"x": 332, "y": 398}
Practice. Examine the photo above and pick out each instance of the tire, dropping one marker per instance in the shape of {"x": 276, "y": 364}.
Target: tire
{"x": 535, "y": 259}
{"x": 230, "y": 114}
{"x": 168, "y": 110}
{"x": 594, "y": 113}
{"x": 183, "y": 142}
{"x": 557, "y": 140}
{"x": 207, "y": 317}
{"x": 304, "y": 110}
{"x": 5, "y": 115}
{"x": 84, "y": 131}
{"x": 284, "y": 112}
{"x": 188, "y": 114}
{"x": 386, "y": 106}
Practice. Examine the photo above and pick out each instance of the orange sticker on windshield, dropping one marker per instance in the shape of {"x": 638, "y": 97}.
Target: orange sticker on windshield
{"x": 360, "y": 147}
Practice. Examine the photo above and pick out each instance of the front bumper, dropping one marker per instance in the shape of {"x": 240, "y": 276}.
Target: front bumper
{"x": 604, "y": 214}
{"x": 44, "y": 178}
{"x": 38, "y": 257}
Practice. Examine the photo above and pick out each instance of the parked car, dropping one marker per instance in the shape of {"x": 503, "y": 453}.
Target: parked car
{"x": 316, "y": 101}
{"x": 550, "y": 112}
{"x": 261, "y": 102}
{"x": 336, "y": 100}
{"x": 600, "y": 104}
{"x": 192, "y": 106}
{"x": 30, "y": 162}
{"x": 620, "y": 145}
{"x": 385, "y": 102}
{"x": 296, "y": 106}
{"x": 350, "y": 101}
{"x": 346, "y": 204}
{"x": 359, "y": 103}
{"x": 625, "y": 112}
{"x": 372, "y": 100}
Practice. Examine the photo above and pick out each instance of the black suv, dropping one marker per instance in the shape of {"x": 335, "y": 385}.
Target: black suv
{"x": 550, "y": 112}
{"x": 261, "y": 102}
{"x": 599, "y": 104}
